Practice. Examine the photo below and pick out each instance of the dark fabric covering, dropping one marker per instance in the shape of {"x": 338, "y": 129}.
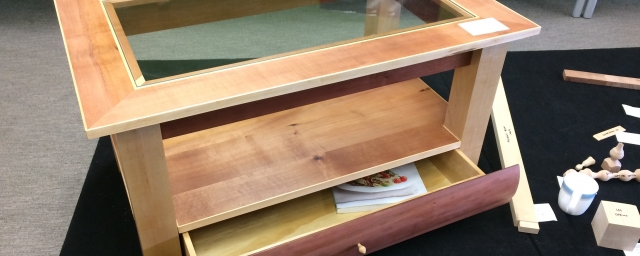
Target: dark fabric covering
{"x": 554, "y": 121}
{"x": 102, "y": 223}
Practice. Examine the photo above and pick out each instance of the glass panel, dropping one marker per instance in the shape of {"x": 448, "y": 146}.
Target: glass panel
{"x": 172, "y": 37}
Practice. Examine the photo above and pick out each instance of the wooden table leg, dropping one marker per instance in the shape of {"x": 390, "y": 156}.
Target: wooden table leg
{"x": 472, "y": 93}
{"x": 142, "y": 162}
{"x": 382, "y": 16}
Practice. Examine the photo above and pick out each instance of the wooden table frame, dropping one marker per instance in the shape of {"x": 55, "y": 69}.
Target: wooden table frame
{"x": 138, "y": 118}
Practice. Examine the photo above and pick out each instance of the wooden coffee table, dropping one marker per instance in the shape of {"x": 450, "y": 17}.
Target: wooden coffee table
{"x": 231, "y": 119}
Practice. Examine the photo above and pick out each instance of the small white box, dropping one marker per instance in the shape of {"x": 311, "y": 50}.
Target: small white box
{"x": 616, "y": 225}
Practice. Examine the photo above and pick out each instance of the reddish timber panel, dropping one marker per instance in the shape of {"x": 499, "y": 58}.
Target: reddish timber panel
{"x": 407, "y": 220}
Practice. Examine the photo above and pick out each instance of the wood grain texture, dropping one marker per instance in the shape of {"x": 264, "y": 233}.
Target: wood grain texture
{"x": 601, "y": 79}
{"x": 141, "y": 158}
{"x": 174, "y": 14}
{"x": 301, "y": 98}
{"x": 456, "y": 160}
{"x": 523, "y": 213}
{"x": 616, "y": 225}
{"x": 127, "y": 52}
{"x": 527, "y": 227}
{"x": 409, "y": 219}
{"x": 233, "y": 169}
{"x": 99, "y": 74}
{"x": 472, "y": 92}
{"x": 228, "y": 87}
{"x": 288, "y": 220}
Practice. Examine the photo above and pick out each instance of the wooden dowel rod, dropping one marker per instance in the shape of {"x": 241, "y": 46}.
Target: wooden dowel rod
{"x": 601, "y": 79}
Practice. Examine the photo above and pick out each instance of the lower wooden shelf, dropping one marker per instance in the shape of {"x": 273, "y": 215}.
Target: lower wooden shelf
{"x": 234, "y": 169}
{"x": 258, "y": 231}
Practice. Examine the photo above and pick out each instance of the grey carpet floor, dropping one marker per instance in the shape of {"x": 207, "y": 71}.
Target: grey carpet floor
{"x": 44, "y": 154}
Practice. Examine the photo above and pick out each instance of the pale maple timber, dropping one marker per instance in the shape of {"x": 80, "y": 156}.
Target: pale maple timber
{"x": 616, "y": 225}
{"x": 142, "y": 162}
{"x": 472, "y": 92}
{"x": 521, "y": 204}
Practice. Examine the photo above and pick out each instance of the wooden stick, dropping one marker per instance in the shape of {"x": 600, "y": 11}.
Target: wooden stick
{"x": 586, "y": 163}
{"x": 601, "y": 79}
{"x": 522, "y": 210}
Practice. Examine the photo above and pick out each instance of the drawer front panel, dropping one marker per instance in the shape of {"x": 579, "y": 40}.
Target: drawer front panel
{"x": 401, "y": 222}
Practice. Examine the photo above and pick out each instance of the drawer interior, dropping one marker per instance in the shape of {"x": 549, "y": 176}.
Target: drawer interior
{"x": 285, "y": 221}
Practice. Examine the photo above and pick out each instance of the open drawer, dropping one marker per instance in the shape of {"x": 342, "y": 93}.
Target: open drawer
{"x": 309, "y": 225}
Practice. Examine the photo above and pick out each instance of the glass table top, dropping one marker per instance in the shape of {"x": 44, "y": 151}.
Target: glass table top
{"x": 170, "y": 38}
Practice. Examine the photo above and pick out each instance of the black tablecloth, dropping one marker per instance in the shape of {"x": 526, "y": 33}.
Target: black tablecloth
{"x": 554, "y": 120}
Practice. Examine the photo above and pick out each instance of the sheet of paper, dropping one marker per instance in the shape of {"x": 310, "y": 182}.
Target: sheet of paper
{"x": 635, "y": 252}
{"x": 483, "y": 26}
{"x": 631, "y": 111}
{"x": 560, "y": 180}
{"x": 544, "y": 212}
{"x": 627, "y": 137}
{"x": 609, "y": 133}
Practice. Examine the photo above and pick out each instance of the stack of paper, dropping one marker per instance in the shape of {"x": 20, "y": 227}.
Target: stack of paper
{"x": 379, "y": 190}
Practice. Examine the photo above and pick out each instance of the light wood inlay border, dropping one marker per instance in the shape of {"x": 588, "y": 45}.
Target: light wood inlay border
{"x": 127, "y": 52}
{"x": 100, "y": 76}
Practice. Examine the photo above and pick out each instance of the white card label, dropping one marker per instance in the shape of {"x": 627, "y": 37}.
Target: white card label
{"x": 483, "y": 26}
{"x": 560, "y": 180}
{"x": 631, "y": 111}
{"x": 635, "y": 252}
{"x": 544, "y": 212}
{"x": 609, "y": 133}
{"x": 627, "y": 137}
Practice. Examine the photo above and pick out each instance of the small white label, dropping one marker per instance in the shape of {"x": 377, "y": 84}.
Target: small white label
{"x": 635, "y": 252}
{"x": 627, "y": 137}
{"x": 609, "y": 133}
{"x": 483, "y": 26}
{"x": 544, "y": 212}
{"x": 631, "y": 111}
